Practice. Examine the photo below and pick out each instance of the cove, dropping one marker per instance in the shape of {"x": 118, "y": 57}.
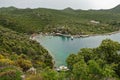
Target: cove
{"x": 61, "y": 47}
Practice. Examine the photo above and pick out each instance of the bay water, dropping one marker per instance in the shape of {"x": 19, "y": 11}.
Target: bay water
{"x": 61, "y": 47}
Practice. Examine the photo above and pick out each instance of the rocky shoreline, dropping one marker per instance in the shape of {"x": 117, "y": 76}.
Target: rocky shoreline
{"x": 72, "y": 36}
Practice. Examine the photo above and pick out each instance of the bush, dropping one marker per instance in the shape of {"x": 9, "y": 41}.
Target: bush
{"x": 34, "y": 77}
{"x": 4, "y": 62}
{"x": 24, "y": 64}
{"x": 1, "y": 56}
{"x": 10, "y": 73}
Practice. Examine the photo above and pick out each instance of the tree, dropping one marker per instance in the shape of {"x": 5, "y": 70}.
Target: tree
{"x": 72, "y": 59}
{"x": 80, "y": 71}
{"x": 108, "y": 49}
{"x": 87, "y": 53}
{"x": 94, "y": 70}
{"x": 49, "y": 74}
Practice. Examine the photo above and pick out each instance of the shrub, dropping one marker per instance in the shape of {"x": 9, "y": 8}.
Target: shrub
{"x": 10, "y": 73}
{"x": 4, "y": 62}
{"x": 1, "y": 56}
{"x": 34, "y": 77}
{"x": 24, "y": 64}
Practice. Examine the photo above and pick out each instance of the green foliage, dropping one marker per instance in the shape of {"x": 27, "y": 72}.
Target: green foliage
{"x": 67, "y": 21}
{"x": 49, "y": 74}
{"x": 63, "y": 75}
{"x": 109, "y": 46}
{"x": 24, "y": 64}
{"x": 88, "y": 54}
{"x": 19, "y": 44}
{"x": 117, "y": 69}
{"x": 1, "y": 56}
{"x": 10, "y": 73}
{"x": 16, "y": 49}
{"x": 110, "y": 49}
{"x": 6, "y": 62}
{"x": 34, "y": 77}
{"x": 72, "y": 59}
{"x": 80, "y": 70}
{"x": 94, "y": 67}
{"x": 97, "y": 63}
{"x": 108, "y": 71}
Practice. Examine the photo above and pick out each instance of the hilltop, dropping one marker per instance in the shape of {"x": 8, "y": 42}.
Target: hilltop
{"x": 67, "y": 21}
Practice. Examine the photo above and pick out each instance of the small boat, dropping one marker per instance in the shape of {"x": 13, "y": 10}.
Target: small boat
{"x": 62, "y": 68}
{"x": 71, "y": 37}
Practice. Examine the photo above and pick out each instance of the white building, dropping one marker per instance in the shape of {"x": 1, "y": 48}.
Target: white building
{"x": 95, "y": 22}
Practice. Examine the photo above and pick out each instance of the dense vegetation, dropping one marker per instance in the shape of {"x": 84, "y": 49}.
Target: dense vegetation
{"x": 18, "y": 53}
{"x": 101, "y": 63}
{"x": 67, "y": 21}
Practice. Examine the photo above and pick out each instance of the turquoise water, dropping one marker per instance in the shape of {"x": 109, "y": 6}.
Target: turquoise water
{"x": 61, "y": 47}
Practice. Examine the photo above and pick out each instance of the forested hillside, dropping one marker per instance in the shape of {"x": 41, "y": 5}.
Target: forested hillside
{"x": 67, "y": 21}
{"x": 15, "y": 43}
{"x": 18, "y": 54}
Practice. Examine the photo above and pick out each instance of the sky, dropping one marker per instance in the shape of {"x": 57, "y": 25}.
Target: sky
{"x": 61, "y": 4}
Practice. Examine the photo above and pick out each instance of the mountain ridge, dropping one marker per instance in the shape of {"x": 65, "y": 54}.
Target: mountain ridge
{"x": 70, "y": 8}
{"x": 51, "y": 20}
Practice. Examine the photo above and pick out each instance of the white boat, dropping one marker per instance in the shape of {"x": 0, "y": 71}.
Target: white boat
{"x": 71, "y": 37}
{"x": 62, "y": 68}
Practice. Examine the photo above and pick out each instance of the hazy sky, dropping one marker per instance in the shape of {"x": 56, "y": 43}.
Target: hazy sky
{"x": 61, "y": 4}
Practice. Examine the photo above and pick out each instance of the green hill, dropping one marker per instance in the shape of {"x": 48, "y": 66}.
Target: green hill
{"x": 12, "y": 43}
{"x": 116, "y": 9}
{"x": 67, "y": 21}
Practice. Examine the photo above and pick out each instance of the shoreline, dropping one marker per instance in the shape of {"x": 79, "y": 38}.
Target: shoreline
{"x": 50, "y": 53}
{"x": 115, "y": 32}
{"x": 73, "y": 36}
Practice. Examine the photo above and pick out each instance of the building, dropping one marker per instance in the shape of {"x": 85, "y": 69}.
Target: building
{"x": 95, "y": 22}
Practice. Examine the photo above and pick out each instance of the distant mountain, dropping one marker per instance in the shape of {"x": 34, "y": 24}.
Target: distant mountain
{"x": 67, "y": 21}
{"x": 116, "y": 9}
{"x": 8, "y": 8}
{"x": 68, "y": 9}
